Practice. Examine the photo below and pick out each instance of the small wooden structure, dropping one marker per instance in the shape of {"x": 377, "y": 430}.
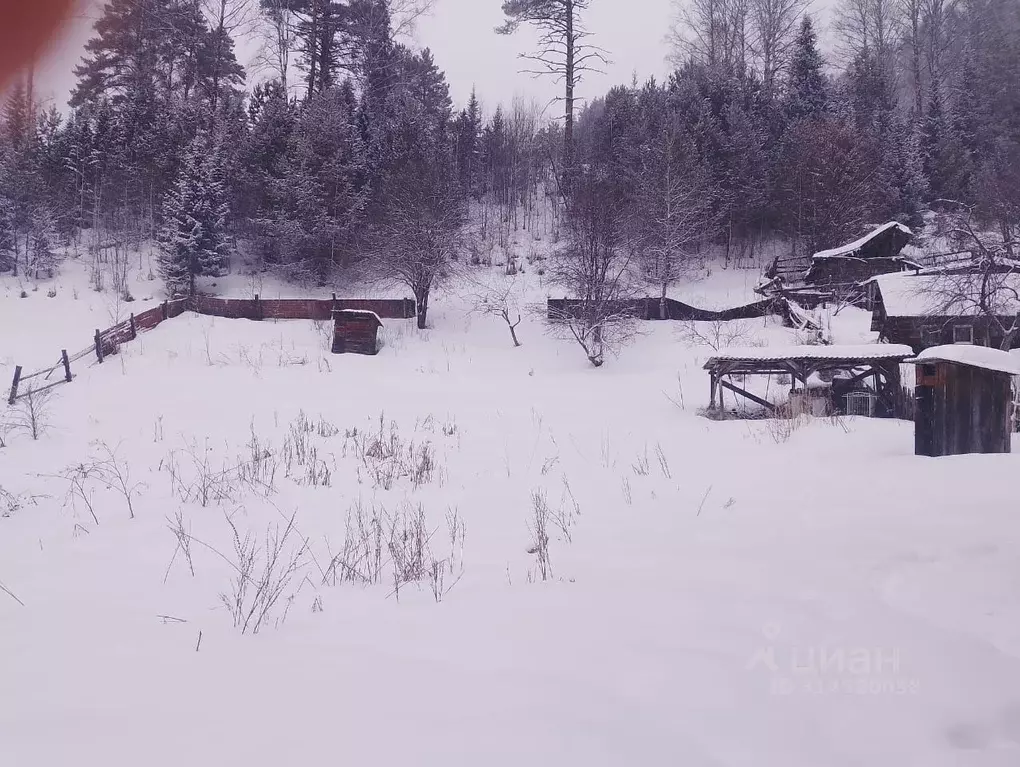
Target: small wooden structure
{"x": 963, "y": 398}
{"x": 926, "y": 310}
{"x": 881, "y": 362}
{"x": 877, "y": 252}
{"x": 355, "y": 331}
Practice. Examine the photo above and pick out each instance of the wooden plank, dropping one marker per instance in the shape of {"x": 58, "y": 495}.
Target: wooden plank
{"x": 67, "y": 365}
{"x": 748, "y": 395}
{"x": 41, "y": 389}
{"x": 14, "y": 386}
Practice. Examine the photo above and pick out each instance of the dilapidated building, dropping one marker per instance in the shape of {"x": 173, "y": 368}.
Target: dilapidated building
{"x": 925, "y": 310}
{"x": 877, "y": 252}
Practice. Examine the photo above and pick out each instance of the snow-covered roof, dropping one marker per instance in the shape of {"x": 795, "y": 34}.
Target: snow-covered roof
{"x": 847, "y": 250}
{"x": 362, "y": 312}
{"x": 973, "y": 356}
{"x": 922, "y": 295}
{"x": 819, "y": 352}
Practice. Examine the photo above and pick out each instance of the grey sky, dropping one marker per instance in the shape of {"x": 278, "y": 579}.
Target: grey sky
{"x": 460, "y": 33}
{"x": 461, "y": 36}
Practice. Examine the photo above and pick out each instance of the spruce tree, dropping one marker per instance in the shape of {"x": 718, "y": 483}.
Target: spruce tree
{"x": 6, "y": 232}
{"x": 193, "y": 240}
{"x": 468, "y": 135}
{"x": 321, "y": 195}
{"x": 807, "y": 91}
{"x": 946, "y": 164}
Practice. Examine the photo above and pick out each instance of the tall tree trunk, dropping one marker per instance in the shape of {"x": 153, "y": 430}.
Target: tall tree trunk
{"x": 218, "y": 63}
{"x": 915, "y": 60}
{"x": 313, "y": 47}
{"x": 568, "y": 130}
{"x": 421, "y": 295}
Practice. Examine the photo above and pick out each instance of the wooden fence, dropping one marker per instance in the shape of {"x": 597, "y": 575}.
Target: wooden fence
{"x": 106, "y": 342}
{"x": 665, "y": 309}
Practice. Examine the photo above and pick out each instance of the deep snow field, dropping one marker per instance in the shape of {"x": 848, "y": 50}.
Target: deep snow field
{"x": 711, "y": 594}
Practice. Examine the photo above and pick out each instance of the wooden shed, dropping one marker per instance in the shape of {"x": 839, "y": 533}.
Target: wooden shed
{"x": 926, "y": 310}
{"x": 877, "y": 252}
{"x": 963, "y": 397}
{"x": 355, "y": 331}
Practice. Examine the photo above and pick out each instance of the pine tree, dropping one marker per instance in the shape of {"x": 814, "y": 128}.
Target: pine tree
{"x": 193, "y": 238}
{"x": 7, "y": 243}
{"x": 562, "y": 52}
{"x": 468, "y": 135}
{"x": 807, "y": 89}
{"x": 945, "y": 159}
{"x": 21, "y": 179}
{"x": 902, "y": 159}
{"x": 320, "y": 194}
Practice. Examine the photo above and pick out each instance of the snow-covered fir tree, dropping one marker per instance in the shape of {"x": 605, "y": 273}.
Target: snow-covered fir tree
{"x": 807, "y": 89}
{"x": 193, "y": 240}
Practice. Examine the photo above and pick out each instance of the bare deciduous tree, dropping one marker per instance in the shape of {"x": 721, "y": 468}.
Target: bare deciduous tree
{"x": 717, "y": 334}
{"x": 595, "y": 268}
{"x": 989, "y": 289}
{"x": 867, "y": 25}
{"x": 714, "y": 32}
{"x": 32, "y": 411}
{"x": 774, "y": 25}
{"x": 417, "y": 241}
{"x": 936, "y": 21}
{"x": 276, "y": 33}
{"x": 673, "y": 208}
{"x": 499, "y": 300}
{"x": 405, "y": 15}
{"x": 910, "y": 32}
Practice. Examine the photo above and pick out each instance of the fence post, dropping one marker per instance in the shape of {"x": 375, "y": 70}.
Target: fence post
{"x": 99, "y": 346}
{"x": 134, "y": 330}
{"x": 166, "y": 310}
{"x": 258, "y": 308}
{"x": 67, "y": 365}
{"x": 14, "y": 386}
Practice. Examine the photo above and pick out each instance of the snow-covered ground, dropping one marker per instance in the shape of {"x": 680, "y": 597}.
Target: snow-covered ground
{"x": 718, "y": 593}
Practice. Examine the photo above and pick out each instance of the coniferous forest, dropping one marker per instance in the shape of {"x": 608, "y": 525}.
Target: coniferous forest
{"x": 347, "y": 153}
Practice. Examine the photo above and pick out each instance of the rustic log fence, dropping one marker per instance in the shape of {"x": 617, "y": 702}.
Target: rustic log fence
{"x": 106, "y": 342}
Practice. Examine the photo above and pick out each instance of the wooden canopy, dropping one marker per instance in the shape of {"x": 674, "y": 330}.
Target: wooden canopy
{"x": 881, "y": 361}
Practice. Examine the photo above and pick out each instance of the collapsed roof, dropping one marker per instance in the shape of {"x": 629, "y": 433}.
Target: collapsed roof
{"x": 884, "y": 242}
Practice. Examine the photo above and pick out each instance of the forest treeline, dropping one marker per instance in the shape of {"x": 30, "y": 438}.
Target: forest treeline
{"x": 349, "y": 153}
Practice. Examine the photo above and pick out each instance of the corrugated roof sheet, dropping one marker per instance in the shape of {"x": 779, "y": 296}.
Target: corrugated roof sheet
{"x": 850, "y": 352}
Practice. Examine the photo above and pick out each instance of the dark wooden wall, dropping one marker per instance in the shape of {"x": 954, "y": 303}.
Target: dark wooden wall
{"x": 961, "y": 410}
{"x": 663, "y": 309}
{"x": 921, "y": 333}
{"x": 358, "y": 334}
{"x": 826, "y": 271}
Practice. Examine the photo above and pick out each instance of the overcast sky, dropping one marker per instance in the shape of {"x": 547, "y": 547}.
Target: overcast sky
{"x": 460, "y": 34}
